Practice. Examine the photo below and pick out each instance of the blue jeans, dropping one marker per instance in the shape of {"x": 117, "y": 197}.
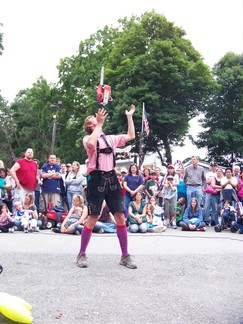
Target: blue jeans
{"x": 215, "y": 202}
{"x": 108, "y": 227}
{"x": 134, "y": 228}
{"x": 127, "y": 200}
{"x": 76, "y": 228}
{"x": 21, "y": 228}
{"x": 194, "y": 192}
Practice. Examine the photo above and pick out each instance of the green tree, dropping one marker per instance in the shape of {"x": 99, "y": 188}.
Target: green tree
{"x": 1, "y": 42}
{"x": 147, "y": 59}
{"x": 223, "y": 121}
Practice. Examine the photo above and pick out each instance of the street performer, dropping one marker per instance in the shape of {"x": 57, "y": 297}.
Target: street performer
{"x": 102, "y": 182}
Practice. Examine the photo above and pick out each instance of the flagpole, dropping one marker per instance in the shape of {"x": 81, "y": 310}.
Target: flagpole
{"x": 141, "y": 140}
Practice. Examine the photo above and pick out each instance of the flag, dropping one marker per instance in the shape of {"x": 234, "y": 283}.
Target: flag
{"x": 145, "y": 121}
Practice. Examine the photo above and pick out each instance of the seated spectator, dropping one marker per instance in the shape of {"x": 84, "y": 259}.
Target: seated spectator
{"x": 22, "y": 216}
{"x": 180, "y": 208}
{"x": 227, "y": 214}
{"x": 155, "y": 216}
{"x": 193, "y": 218}
{"x": 6, "y": 221}
{"x": 238, "y": 225}
{"x": 137, "y": 214}
{"x": 75, "y": 219}
{"x": 158, "y": 211}
{"x": 30, "y": 207}
{"x": 106, "y": 222}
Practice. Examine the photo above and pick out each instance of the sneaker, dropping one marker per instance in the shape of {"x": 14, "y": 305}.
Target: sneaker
{"x": 26, "y": 230}
{"x": 174, "y": 226}
{"x": 82, "y": 261}
{"x": 36, "y": 229}
{"x": 55, "y": 230}
{"x": 11, "y": 230}
{"x": 128, "y": 262}
{"x": 101, "y": 231}
{"x": 201, "y": 229}
{"x": 76, "y": 233}
{"x": 159, "y": 229}
{"x": 31, "y": 230}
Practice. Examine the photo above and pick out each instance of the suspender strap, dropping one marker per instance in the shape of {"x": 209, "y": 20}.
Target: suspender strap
{"x": 104, "y": 151}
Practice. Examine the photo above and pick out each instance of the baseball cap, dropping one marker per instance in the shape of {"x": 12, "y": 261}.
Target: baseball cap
{"x": 213, "y": 163}
{"x": 123, "y": 170}
{"x": 170, "y": 166}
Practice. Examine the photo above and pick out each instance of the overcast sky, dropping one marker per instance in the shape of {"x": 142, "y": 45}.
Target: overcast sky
{"x": 37, "y": 34}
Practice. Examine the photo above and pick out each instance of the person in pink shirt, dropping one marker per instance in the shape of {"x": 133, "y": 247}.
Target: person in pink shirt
{"x": 102, "y": 181}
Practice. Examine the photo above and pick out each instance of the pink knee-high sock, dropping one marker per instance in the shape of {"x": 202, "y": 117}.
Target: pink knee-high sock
{"x": 85, "y": 238}
{"x": 121, "y": 232}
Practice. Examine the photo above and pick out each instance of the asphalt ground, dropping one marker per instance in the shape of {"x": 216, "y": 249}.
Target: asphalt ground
{"x": 182, "y": 277}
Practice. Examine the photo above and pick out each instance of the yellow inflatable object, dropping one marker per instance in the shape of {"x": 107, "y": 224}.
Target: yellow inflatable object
{"x": 15, "y": 308}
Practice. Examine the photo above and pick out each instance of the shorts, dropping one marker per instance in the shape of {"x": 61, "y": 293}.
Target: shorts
{"x": 102, "y": 186}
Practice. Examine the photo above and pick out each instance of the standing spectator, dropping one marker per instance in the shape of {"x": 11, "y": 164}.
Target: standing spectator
{"x": 229, "y": 185}
{"x": 9, "y": 191}
{"x": 51, "y": 174}
{"x": 3, "y": 174}
{"x": 146, "y": 175}
{"x": 24, "y": 173}
{"x": 236, "y": 171}
{"x": 151, "y": 187}
{"x": 102, "y": 182}
{"x": 38, "y": 186}
{"x": 216, "y": 184}
{"x": 240, "y": 186}
{"x": 74, "y": 182}
{"x": 181, "y": 188}
{"x": 63, "y": 193}
{"x": 208, "y": 204}
{"x": 194, "y": 179}
{"x": 133, "y": 182}
{"x": 169, "y": 198}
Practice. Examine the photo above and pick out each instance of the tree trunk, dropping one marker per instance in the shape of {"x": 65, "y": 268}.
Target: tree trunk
{"x": 167, "y": 151}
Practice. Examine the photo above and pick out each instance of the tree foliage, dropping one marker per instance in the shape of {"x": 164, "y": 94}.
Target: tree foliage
{"x": 147, "y": 59}
{"x": 223, "y": 121}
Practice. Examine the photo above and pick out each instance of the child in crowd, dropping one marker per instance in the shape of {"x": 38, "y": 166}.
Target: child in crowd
{"x": 74, "y": 221}
{"x": 180, "y": 208}
{"x": 155, "y": 216}
{"x": 25, "y": 217}
{"x": 6, "y": 221}
{"x": 227, "y": 214}
{"x": 169, "y": 193}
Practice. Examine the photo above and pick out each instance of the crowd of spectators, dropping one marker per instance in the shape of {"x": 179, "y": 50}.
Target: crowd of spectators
{"x": 186, "y": 198}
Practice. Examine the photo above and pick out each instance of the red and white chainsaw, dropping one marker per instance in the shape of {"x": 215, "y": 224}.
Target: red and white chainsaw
{"x": 103, "y": 91}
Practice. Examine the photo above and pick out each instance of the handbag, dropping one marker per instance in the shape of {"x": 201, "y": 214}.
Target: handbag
{"x": 210, "y": 190}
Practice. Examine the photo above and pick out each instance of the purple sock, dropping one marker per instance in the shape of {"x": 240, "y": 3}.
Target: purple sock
{"x": 121, "y": 232}
{"x": 85, "y": 238}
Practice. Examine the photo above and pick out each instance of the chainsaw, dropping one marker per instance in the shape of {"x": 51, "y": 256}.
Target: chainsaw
{"x": 103, "y": 91}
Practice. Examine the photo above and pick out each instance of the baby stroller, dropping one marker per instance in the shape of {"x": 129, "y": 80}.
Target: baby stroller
{"x": 238, "y": 224}
{"x": 228, "y": 218}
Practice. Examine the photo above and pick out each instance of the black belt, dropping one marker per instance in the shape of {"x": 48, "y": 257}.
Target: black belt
{"x": 194, "y": 185}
